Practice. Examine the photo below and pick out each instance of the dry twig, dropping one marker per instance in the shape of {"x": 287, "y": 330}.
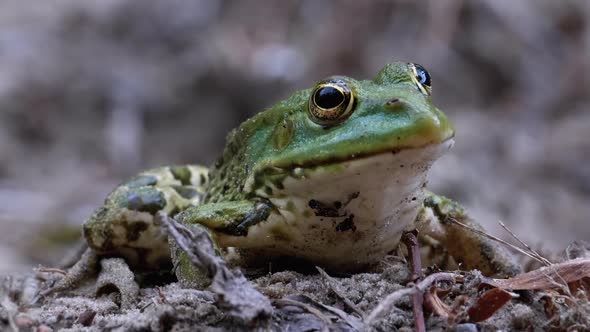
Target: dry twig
{"x": 386, "y": 304}
{"x": 334, "y": 287}
{"x": 411, "y": 242}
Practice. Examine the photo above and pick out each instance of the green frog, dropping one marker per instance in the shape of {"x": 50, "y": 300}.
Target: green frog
{"x": 333, "y": 175}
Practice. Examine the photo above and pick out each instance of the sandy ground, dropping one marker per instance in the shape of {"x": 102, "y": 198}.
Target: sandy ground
{"x": 300, "y": 302}
{"x": 115, "y": 298}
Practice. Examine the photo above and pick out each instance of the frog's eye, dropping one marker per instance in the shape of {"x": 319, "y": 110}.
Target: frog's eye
{"x": 331, "y": 102}
{"x": 422, "y": 78}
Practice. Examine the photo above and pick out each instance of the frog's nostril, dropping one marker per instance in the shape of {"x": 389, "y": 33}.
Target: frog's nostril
{"x": 394, "y": 104}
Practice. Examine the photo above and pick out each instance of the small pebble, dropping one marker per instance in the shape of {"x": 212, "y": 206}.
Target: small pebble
{"x": 44, "y": 328}
{"x": 23, "y": 321}
{"x": 467, "y": 327}
{"x": 86, "y": 317}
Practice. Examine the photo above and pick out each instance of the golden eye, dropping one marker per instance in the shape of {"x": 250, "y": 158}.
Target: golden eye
{"x": 422, "y": 78}
{"x": 331, "y": 102}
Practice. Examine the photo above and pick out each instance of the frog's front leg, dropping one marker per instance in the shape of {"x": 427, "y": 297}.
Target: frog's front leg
{"x": 472, "y": 250}
{"x": 224, "y": 218}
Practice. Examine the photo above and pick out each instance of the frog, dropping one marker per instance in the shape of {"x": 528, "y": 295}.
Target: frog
{"x": 333, "y": 175}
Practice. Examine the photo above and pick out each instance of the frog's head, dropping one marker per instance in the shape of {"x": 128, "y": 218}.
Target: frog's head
{"x": 342, "y": 119}
{"x": 344, "y": 165}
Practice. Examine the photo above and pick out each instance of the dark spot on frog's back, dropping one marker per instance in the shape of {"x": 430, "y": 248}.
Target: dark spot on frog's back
{"x": 100, "y": 213}
{"x": 268, "y": 190}
{"x": 86, "y": 231}
{"x": 182, "y": 174}
{"x": 142, "y": 181}
{"x": 134, "y": 231}
{"x": 186, "y": 191}
{"x": 146, "y": 199}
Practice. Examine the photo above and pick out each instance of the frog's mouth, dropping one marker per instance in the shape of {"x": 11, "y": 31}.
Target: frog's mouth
{"x": 445, "y": 146}
{"x": 277, "y": 173}
{"x": 435, "y": 151}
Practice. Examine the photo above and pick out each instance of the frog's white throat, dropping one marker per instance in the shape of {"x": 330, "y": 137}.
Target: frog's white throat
{"x": 347, "y": 215}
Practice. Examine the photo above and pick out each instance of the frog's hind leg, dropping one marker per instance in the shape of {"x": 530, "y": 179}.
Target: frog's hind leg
{"x": 468, "y": 248}
{"x": 124, "y": 226}
{"x": 86, "y": 267}
{"x": 74, "y": 255}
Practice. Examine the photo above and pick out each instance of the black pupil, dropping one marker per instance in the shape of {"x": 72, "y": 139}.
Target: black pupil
{"x": 328, "y": 97}
{"x": 423, "y": 76}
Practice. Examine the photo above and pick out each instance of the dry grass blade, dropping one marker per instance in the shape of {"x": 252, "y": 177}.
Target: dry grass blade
{"x": 489, "y": 236}
{"x": 334, "y": 287}
{"x": 545, "y": 277}
{"x": 285, "y": 302}
{"x": 332, "y": 317}
{"x": 540, "y": 258}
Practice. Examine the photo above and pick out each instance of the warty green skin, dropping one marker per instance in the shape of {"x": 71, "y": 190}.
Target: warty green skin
{"x": 244, "y": 192}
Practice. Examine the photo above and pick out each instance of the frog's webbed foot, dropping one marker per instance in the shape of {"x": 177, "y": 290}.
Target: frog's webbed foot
{"x": 196, "y": 252}
{"x": 85, "y": 268}
{"x": 233, "y": 218}
{"x": 468, "y": 248}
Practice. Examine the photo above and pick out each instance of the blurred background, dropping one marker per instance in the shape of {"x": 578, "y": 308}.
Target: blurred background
{"x": 93, "y": 91}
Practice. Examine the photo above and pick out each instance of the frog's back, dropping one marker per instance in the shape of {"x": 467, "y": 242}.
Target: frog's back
{"x": 245, "y": 146}
{"x": 125, "y": 225}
